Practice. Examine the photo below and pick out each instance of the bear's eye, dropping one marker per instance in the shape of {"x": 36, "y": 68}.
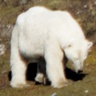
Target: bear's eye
{"x": 69, "y": 45}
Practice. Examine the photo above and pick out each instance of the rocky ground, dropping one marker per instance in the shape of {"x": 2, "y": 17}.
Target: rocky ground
{"x": 84, "y": 11}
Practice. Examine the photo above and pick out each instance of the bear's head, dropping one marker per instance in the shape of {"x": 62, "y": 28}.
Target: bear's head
{"x": 77, "y": 53}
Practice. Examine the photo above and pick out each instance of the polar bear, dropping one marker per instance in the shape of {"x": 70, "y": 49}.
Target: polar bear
{"x": 52, "y": 35}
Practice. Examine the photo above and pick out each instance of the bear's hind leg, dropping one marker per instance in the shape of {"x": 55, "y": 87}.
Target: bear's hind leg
{"x": 18, "y": 68}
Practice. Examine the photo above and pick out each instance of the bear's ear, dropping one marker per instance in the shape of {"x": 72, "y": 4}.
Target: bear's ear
{"x": 90, "y": 44}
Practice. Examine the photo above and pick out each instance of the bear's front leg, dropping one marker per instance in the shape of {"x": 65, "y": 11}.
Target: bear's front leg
{"x": 41, "y": 71}
{"x": 55, "y": 67}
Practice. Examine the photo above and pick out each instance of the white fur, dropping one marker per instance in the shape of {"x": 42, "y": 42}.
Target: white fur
{"x": 40, "y": 32}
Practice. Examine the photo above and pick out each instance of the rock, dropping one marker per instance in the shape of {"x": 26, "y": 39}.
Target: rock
{"x": 6, "y": 30}
{"x": 86, "y": 91}
{"x": 2, "y": 49}
{"x": 22, "y": 2}
{"x": 54, "y": 94}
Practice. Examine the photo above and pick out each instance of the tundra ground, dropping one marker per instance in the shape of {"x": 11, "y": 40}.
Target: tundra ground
{"x": 84, "y": 11}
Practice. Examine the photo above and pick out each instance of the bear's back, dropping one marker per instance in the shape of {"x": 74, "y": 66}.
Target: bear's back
{"x": 41, "y": 24}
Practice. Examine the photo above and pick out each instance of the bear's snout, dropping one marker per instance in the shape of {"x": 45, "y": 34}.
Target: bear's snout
{"x": 80, "y": 71}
